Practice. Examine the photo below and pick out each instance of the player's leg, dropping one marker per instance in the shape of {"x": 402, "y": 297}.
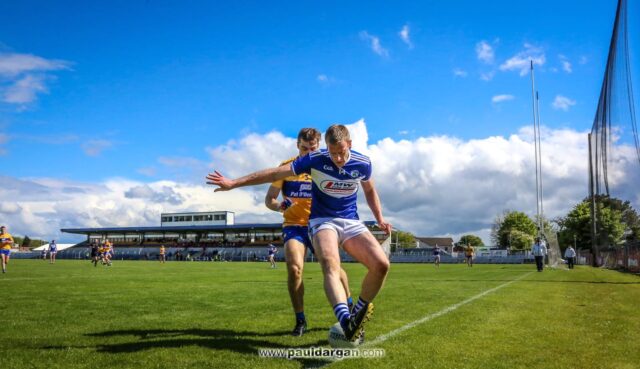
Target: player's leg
{"x": 366, "y": 250}
{"x": 325, "y": 244}
{"x": 4, "y": 261}
{"x": 294, "y": 252}
{"x": 344, "y": 279}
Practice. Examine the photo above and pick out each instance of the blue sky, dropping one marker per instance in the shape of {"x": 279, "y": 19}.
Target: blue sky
{"x": 147, "y": 90}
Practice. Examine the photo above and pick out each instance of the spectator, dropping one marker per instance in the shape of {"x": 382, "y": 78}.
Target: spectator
{"x": 539, "y": 251}
{"x": 570, "y": 255}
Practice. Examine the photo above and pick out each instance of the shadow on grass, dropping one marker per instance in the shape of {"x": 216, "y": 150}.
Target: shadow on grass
{"x": 243, "y": 342}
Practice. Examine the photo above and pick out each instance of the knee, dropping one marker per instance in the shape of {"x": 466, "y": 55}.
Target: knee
{"x": 331, "y": 267}
{"x": 381, "y": 267}
{"x": 295, "y": 271}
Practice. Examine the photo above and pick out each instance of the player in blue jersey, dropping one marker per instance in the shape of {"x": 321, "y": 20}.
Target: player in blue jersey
{"x": 53, "y": 251}
{"x": 337, "y": 173}
{"x": 272, "y": 250}
{"x": 296, "y": 208}
{"x": 436, "y": 256}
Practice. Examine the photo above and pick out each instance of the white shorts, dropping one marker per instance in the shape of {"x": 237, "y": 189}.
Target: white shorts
{"x": 344, "y": 228}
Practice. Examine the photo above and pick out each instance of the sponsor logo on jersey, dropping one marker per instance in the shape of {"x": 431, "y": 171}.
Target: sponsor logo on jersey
{"x": 327, "y": 168}
{"x": 338, "y": 187}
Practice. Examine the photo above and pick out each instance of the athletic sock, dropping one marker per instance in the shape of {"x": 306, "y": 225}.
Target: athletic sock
{"x": 361, "y": 303}
{"x": 342, "y": 313}
{"x": 300, "y": 316}
{"x": 350, "y": 303}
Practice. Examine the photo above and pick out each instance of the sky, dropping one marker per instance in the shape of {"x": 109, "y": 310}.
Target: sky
{"x": 111, "y": 113}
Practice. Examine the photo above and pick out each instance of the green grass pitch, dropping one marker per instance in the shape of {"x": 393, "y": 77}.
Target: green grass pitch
{"x": 140, "y": 314}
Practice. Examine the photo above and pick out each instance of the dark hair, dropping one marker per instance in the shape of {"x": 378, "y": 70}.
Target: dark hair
{"x": 309, "y": 134}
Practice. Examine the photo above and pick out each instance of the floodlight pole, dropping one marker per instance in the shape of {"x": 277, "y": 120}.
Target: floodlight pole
{"x": 536, "y": 147}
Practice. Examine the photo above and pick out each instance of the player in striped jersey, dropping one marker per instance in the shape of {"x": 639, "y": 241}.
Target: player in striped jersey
{"x": 337, "y": 173}
{"x": 296, "y": 207}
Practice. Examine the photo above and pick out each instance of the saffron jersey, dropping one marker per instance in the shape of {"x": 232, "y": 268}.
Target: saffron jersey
{"x": 334, "y": 190}
{"x": 298, "y": 190}
{"x": 6, "y": 241}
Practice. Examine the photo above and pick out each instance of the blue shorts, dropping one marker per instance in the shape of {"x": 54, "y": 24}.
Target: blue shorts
{"x": 298, "y": 233}
{"x": 5, "y": 252}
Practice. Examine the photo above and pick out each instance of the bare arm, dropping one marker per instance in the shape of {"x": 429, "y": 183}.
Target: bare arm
{"x": 271, "y": 198}
{"x": 373, "y": 200}
{"x": 255, "y": 178}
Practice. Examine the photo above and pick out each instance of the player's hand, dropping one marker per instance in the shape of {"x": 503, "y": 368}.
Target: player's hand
{"x": 285, "y": 204}
{"x": 217, "y": 179}
{"x": 386, "y": 227}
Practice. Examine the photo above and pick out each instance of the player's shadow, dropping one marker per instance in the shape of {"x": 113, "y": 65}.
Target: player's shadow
{"x": 244, "y": 342}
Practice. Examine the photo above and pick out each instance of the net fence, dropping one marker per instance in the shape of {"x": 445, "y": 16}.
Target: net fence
{"x": 614, "y": 146}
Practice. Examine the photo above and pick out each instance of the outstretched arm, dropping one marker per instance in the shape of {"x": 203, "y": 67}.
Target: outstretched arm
{"x": 373, "y": 200}
{"x": 255, "y": 178}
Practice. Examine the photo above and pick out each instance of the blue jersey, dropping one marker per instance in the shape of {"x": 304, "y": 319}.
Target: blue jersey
{"x": 272, "y": 250}
{"x": 334, "y": 190}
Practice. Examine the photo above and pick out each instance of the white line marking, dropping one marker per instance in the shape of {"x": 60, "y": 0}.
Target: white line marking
{"x": 449, "y": 309}
{"x": 440, "y": 313}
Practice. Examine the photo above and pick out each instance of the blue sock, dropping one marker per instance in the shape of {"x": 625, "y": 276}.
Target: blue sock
{"x": 350, "y": 302}
{"x": 300, "y": 316}
{"x": 342, "y": 313}
{"x": 359, "y": 305}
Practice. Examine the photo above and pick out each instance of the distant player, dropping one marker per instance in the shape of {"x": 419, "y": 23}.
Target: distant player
{"x": 162, "y": 254}
{"x": 337, "y": 173}
{"x": 6, "y": 242}
{"x": 296, "y": 207}
{"x": 108, "y": 252}
{"x": 468, "y": 253}
{"x": 436, "y": 256}
{"x": 95, "y": 253}
{"x": 43, "y": 253}
{"x": 272, "y": 250}
{"x": 53, "y": 251}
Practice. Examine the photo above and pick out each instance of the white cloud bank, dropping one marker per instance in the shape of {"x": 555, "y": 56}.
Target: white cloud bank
{"x": 24, "y": 76}
{"x": 432, "y": 186}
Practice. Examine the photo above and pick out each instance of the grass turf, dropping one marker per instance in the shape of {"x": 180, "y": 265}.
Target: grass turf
{"x": 140, "y": 314}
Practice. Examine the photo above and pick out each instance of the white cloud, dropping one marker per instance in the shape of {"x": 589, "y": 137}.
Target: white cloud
{"x": 147, "y": 171}
{"x": 501, "y": 98}
{"x": 405, "y": 36}
{"x": 24, "y": 90}
{"x": 12, "y": 65}
{"x": 374, "y": 43}
{"x": 24, "y": 76}
{"x": 325, "y": 80}
{"x": 96, "y": 147}
{"x": 459, "y": 72}
{"x": 39, "y": 207}
{"x": 566, "y": 65}
{"x": 522, "y": 61}
{"x": 562, "y": 103}
{"x": 488, "y": 76}
{"x": 431, "y": 186}
{"x": 485, "y": 52}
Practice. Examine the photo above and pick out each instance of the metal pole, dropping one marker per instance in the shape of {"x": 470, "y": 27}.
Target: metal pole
{"x": 535, "y": 141}
{"x": 541, "y": 215}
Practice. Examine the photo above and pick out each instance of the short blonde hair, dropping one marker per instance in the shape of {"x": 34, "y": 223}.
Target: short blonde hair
{"x": 336, "y": 133}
